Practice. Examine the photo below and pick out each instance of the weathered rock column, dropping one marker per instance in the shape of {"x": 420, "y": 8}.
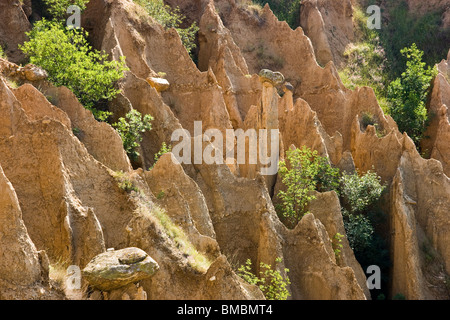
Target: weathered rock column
{"x": 267, "y": 118}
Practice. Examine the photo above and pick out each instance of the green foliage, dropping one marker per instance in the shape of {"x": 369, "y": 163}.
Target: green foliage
{"x": 195, "y": 259}
{"x": 164, "y": 149}
{"x": 360, "y": 192}
{"x": 70, "y": 61}
{"x": 360, "y": 198}
{"x": 271, "y": 282}
{"x": 337, "y": 245}
{"x": 130, "y": 130}
{"x": 160, "y": 195}
{"x": 399, "y": 296}
{"x": 381, "y": 297}
{"x": 124, "y": 182}
{"x": 285, "y": 10}
{"x": 2, "y": 53}
{"x": 58, "y": 8}
{"x": 171, "y": 18}
{"x": 365, "y": 60}
{"x": 405, "y": 28}
{"x": 408, "y": 94}
{"x": 368, "y": 119}
{"x": 303, "y": 172}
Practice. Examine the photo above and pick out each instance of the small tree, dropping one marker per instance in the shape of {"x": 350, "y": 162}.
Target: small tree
{"x": 304, "y": 172}
{"x": 164, "y": 149}
{"x": 360, "y": 192}
{"x": 58, "y": 8}
{"x": 271, "y": 282}
{"x": 70, "y": 61}
{"x": 360, "y": 195}
{"x": 130, "y": 130}
{"x": 408, "y": 94}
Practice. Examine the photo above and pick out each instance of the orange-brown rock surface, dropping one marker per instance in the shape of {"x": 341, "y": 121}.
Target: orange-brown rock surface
{"x": 69, "y": 192}
{"x": 329, "y": 25}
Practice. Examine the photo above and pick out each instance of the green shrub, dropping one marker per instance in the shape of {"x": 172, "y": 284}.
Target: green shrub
{"x": 70, "y": 61}
{"x": 125, "y": 183}
{"x": 164, "y": 149}
{"x": 399, "y": 296}
{"x": 359, "y": 231}
{"x": 303, "y": 172}
{"x": 408, "y": 94}
{"x": 360, "y": 192}
{"x": 364, "y": 220}
{"x": 171, "y": 18}
{"x": 271, "y": 282}
{"x": 57, "y": 9}
{"x": 130, "y": 130}
{"x": 337, "y": 245}
{"x": 367, "y": 119}
{"x": 365, "y": 60}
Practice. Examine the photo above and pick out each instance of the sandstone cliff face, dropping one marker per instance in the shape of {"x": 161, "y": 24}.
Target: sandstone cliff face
{"x": 438, "y": 131}
{"x": 13, "y": 25}
{"x": 419, "y": 200}
{"x": 329, "y": 25}
{"x": 321, "y": 88}
{"x": 62, "y": 181}
{"x": 23, "y": 268}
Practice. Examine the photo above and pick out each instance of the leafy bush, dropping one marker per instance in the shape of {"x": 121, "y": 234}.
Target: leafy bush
{"x": 360, "y": 192}
{"x": 171, "y": 18}
{"x": 408, "y": 95}
{"x": 368, "y": 119}
{"x": 359, "y": 231}
{"x": 363, "y": 219}
{"x": 130, "y": 130}
{"x": 164, "y": 149}
{"x": 306, "y": 171}
{"x": 271, "y": 282}
{"x": 58, "y": 8}
{"x": 70, "y": 61}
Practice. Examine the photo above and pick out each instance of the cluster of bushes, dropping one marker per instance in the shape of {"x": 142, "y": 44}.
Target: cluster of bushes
{"x": 304, "y": 171}
{"x": 393, "y": 61}
{"x": 407, "y": 95}
{"x": 70, "y": 61}
{"x": 131, "y": 129}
